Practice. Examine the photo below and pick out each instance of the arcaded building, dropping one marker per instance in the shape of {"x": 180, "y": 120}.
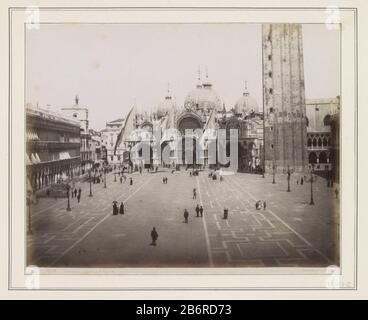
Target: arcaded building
{"x": 320, "y": 140}
{"x": 52, "y": 147}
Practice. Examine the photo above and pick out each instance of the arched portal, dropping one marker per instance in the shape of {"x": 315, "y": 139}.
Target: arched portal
{"x": 189, "y": 151}
{"x": 189, "y": 121}
{"x": 244, "y": 164}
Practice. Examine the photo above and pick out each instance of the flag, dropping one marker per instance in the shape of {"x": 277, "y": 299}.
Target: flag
{"x": 127, "y": 127}
{"x": 209, "y": 128}
{"x": 210, "y": 124}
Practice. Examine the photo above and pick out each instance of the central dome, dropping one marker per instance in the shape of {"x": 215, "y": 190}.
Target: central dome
{"x": 203, "y": 98}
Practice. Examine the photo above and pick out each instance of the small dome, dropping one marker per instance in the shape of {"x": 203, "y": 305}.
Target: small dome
{"x": 165, "y": 106}
{"x": 246, "y": 104}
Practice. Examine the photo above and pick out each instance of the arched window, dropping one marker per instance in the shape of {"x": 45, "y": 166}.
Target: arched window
{"x": 322, "y": 157}
{"x": 314, "y": 142}
{"x": 309, "y": 142}
{"x": 312, "y": 157}
{"x": 320, "y": 142}
{"x": 324, "y": 142}
{"x": 327, "y": 120}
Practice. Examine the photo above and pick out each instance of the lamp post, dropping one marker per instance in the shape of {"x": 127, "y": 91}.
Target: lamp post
{"x": 68, "y": 195}
{"x": 273, "y": 173}
{"x": 105, "y": 177}
{"x": 312, "y": 179}
{"x": 28, "y": 203}
{"x": 90, "y": 184}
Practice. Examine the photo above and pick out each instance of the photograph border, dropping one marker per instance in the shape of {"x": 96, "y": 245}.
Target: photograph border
{"x": 355, "y": 10}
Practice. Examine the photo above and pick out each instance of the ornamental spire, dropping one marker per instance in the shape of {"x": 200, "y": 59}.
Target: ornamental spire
{"x": 246, "y": 92}
{"x": 199, "y": 84}
{"x": 168, "y": 96}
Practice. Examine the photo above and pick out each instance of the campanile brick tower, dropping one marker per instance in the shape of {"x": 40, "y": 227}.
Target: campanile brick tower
{"x": 284, "y": 97}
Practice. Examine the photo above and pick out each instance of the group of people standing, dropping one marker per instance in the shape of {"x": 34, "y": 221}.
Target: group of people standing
{"x": 77, "y": 193}
{"x": 213, "y": 176}
{"x": 164, "y": 180}
{"x": 116, "y": 209}
{"x": 198, "y": 210}
{"x": 260, "y": 204}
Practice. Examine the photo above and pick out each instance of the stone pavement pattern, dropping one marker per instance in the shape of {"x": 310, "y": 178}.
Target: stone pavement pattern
{"x": 289, "y": 232}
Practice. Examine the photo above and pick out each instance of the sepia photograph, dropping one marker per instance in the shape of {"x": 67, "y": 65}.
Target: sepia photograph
{"x": 197, "y": 145}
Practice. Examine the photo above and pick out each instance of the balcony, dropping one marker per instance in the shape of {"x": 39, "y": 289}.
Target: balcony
{"x": 52, "y": 145}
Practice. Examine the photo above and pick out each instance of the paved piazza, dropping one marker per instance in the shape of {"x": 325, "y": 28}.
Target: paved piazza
{"x": 290, "y": 232}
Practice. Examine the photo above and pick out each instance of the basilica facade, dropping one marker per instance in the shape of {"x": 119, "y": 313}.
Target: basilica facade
{"x": 187, "y": 134}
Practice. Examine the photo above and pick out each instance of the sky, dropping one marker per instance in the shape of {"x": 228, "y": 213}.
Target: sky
{"x": 113, "y": 66}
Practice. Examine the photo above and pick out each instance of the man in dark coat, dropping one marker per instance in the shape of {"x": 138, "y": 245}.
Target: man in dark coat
{"x": 226, "y": 212}
{"x": 186, "y": 215}
{"x": 154, "y": 236}
{"x": 197, "y": 210}
{"x": 201, "y": 211}
{"x": 121, "y": 209}
{"x": 75, "y": 192}
{"x": 131, "y": 181}
{"x": 194, "y": 193}
{"x": 115, "y": 208}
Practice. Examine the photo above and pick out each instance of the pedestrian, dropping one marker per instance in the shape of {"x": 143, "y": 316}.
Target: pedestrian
{"x": 301, "y": 181}
{"x": 131, "y": 181}
{"x": 78, "y": 197}
{"x": 163, "y": 180}
{"x": 336, "y": 193}
{"x": 201, "y": 211}
{"x": 121, "y": 179}
{"x": 186, "y": 215}
{"x": 226, "y": 212}
{"x": 166, "y": 180}
{"x": 190, "y": 173}
{"x": 121, "y": 209}
{"x": 75, "y": 192}
{"x": 264, "y": 205}
{"x": 194, "y": 193}
{"x": 80, "y": 191}
{"x": 197, "y": 210}
{"x": 115, "y": 208}
{"x": 154, "y": 236}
